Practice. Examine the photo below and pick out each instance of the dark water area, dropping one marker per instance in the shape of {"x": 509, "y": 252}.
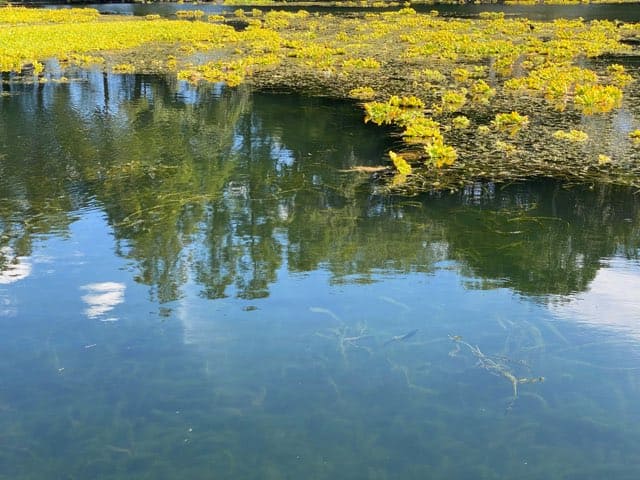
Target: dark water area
{"x": 629, "y": 12}
{"x": 192, "y": 285}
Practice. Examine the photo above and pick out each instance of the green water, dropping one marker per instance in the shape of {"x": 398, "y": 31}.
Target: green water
{"x": 193, "y": 287}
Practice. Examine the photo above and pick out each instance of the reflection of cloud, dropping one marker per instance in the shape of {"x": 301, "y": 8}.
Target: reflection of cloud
{"x": 102, "y": 297}
{"x": 7, "y": 307}
{"x": 612, "y": 301}
{"x": 18, "y": 268}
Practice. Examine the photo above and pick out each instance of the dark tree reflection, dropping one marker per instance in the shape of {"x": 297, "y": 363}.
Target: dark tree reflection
{"x": 224, "y": 188}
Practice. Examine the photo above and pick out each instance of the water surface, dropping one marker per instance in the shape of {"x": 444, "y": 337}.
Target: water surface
{"x": 629, "y": 12}
{"x": 193, "y": 286}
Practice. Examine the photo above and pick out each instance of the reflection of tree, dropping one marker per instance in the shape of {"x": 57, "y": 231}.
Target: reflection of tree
{"x": 171, "y": 160}
{"x": 36, "y": 184}
{"x": 221, "y": 188}
{"x": 541, "y": 238}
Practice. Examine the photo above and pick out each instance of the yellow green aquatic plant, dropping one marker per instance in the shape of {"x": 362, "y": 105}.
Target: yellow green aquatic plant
{"x": 381, "y": 113}
{"x": 233, "y": 73}
{"x": 22, "y": 15}
{"x": 194, "y": 14}
{"x": 481, "y": 93}
{"x": 124, "y": 68}
{"x": 397, "y": 110}
{"x": 81, "y": 60}
{"x": 359, "y": 63}
{"x": 400, "y": 163}
{"x": 22, "y": 44}
{"x": 422, "y": 130}
{"x": 504, "y": 64}
{"x": 511, "y": 123}
{"x": 432, "y": 75}
{"x": 279, "y": 20}
{"x": 572, "y": 135}
{"x": 505, "y": 147}
{"x": 410, "y": 101}
{"x": 248, "y": 2}
{"x": 362, "y": 93}
{"x": 452, "y": 101}
{"x": 440, "y": 154}
{"x": 555, "y": 82}
{"x": 635, "y": 137}
{"x": 619, "y": 76}
{"x": 461, "y": 74}
{"x": 460, "y": 122}
{"x": 592, "y": 99}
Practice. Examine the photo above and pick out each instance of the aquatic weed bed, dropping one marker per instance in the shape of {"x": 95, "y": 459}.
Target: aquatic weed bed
{"x": 487, "y": 98}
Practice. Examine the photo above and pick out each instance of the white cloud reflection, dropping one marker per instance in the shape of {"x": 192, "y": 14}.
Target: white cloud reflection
{"x": 18, "y": 268}
{"x": 612, "y": 300}
{"x": 102, "y": 297}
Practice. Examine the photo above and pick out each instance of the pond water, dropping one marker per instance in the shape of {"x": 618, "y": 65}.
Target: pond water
{"x": 192, "y": 286}
{"x": 625, "y": 12}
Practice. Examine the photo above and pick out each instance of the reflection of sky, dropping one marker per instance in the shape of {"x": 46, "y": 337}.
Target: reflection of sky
{"x": 610, "y": 302}
{"x": 102, "y": 297}
{"x": 283, "y": 156}
{"x": 17, "y": 269}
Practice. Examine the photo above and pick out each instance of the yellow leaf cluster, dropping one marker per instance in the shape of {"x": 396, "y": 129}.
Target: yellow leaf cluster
{"x": 591, "y": 99}
{"x": 571, "y": 135}
{"x": 400, "y": 163}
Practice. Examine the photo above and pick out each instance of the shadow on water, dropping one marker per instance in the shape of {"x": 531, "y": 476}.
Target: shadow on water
{"x": 298, "y": 323}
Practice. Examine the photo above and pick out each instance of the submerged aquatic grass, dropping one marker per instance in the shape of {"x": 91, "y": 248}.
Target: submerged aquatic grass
{"x": 429, "y": 77}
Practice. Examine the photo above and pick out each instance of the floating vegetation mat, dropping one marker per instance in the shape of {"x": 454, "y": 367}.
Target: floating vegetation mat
{"x": 489, "y": 98}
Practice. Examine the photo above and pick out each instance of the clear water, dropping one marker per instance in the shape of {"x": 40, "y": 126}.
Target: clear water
{"x": 193, "y": 287}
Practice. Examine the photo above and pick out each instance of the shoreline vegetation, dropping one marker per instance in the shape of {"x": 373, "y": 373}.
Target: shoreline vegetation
{"x": 488, "y": 98}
